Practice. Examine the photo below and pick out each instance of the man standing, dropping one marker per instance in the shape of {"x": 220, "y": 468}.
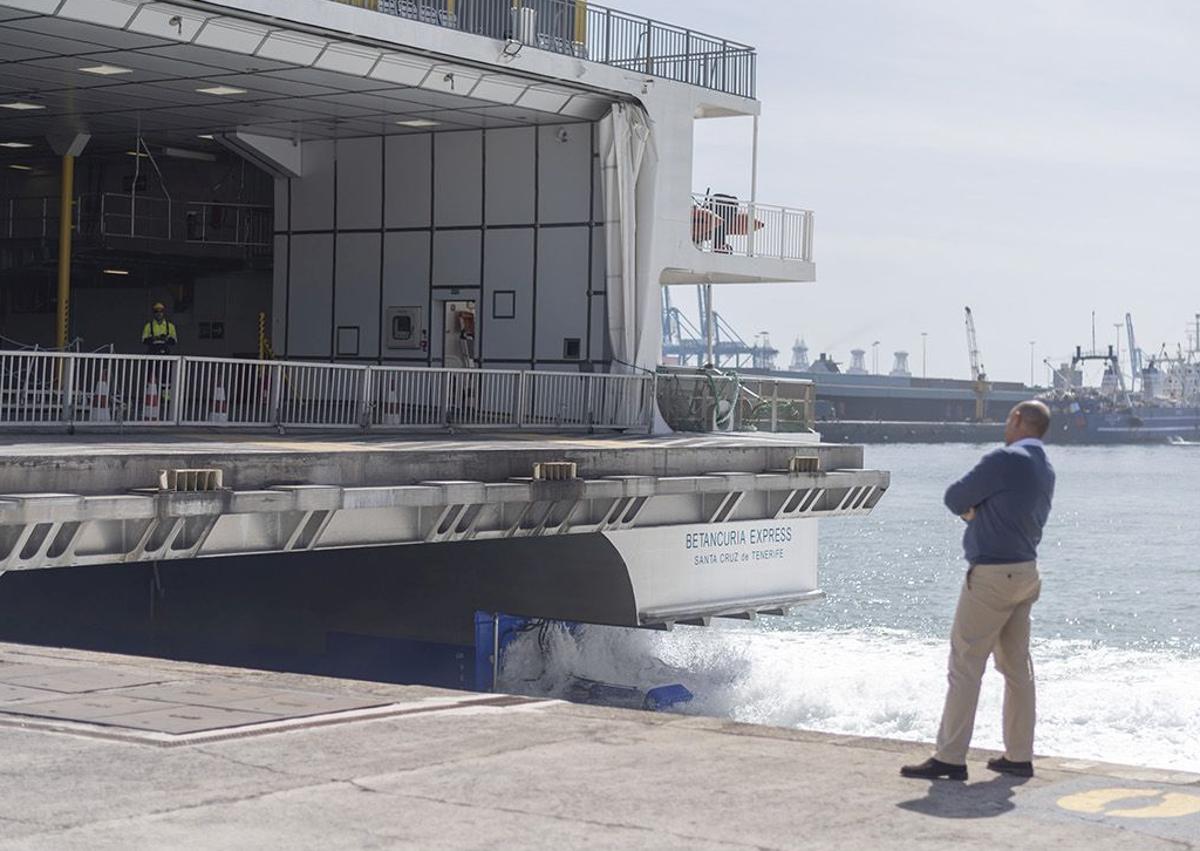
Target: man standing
{"x": 158, "y": 335}
{"x": 1005, "y": 501}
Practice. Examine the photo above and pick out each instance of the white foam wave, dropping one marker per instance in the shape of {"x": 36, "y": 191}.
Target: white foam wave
{"x": 1094, "y": 702}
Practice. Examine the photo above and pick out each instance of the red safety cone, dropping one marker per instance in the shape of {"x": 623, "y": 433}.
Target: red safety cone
{"x": 101, "y": 412}
{"x": 220, "y": 407}
{"x": 391, "y": 405}
{"x": 150, "y": 401}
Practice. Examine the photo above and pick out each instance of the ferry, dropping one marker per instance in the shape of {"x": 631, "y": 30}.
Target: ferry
{"x": 410, "y": 256}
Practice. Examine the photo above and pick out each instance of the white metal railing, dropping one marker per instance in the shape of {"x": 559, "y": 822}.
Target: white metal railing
{"x": 726, "y": 225}
{"x": 593, "y": 32}
{"x": 111, "y": 214}
{"x": 39, "y": 388}
{"x": 218, "y": 223}
{"x": 693, "y": 399}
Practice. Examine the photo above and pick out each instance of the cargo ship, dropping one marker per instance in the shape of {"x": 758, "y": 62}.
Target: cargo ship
{"x": 1163, "y": 406}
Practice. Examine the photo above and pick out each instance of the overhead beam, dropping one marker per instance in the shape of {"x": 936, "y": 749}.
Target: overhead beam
{"x": 278, "y": 157}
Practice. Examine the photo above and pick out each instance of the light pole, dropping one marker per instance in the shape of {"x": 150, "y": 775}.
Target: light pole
{"x": 924, "y": 334}
{"x": 875, "y": 357}
{"x": 1032, "y": 343}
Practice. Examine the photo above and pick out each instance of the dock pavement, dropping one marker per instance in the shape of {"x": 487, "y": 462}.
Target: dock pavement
{"x": 102, "y": 751}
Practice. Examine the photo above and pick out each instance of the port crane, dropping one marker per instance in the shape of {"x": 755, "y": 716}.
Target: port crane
{"x": 722, "y": 346}
{"x": 978, "y": 373}
{"x": 1135, "y": 354}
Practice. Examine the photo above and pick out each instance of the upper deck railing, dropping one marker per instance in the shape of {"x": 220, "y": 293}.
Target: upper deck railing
{"x": 590, "y": 31}
{"x": 76, "y": 390}
{"x": 722, "y": 224}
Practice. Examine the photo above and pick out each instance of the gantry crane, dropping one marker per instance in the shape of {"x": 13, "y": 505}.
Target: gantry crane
{"x": 978, "y": 374}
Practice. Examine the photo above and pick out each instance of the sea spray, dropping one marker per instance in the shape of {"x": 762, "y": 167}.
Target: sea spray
{"x": 1094, "y": 702}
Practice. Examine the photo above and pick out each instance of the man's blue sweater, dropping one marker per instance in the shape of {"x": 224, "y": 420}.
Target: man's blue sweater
{"x": 1011, "y": 489}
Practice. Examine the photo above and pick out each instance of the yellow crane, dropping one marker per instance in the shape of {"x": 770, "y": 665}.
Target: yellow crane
{"x": 978, "y": 373}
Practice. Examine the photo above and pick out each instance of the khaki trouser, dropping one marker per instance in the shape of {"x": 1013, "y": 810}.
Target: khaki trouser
{"x": 992, "y": 618}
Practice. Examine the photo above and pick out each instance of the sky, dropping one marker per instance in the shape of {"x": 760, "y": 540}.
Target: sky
{"x": 1036, "y": 160}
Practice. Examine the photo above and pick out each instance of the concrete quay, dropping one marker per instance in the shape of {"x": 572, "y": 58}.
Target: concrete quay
{"x": 884, "y": 431}
{"x": 100, "y": 751}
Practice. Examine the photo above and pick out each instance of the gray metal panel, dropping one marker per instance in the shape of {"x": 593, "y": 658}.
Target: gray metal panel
{"x": 359, "y": 185}
{"x": 599, "y": 339}
{"x": 408, "y": 176}
{"x": 311, "y": 301}
{"x": 406, "y": 269}
{"x": 562, "y": 276}
{"x": 357, "y": 302}
{"x": 599, "y": 260}
{"x": 279, "y": 290}
{"x": 510, "y": 176}
{"x": 76, "y": 680}
{"x": 597, "y": 178}
{"x": 281, "y": 204}
{"x": 458, "y": 178}
{"x": 508, "y": 265}
{"x": 564, "y": 173}
{"x": 188, "y": 719}
{"x": 312, "y": 194}
{"x": 456, "y": 258}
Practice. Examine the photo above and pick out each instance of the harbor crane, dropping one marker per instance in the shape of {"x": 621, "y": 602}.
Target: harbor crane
{"x": 1135, "y": 354}
{"x": 978, "y": 373}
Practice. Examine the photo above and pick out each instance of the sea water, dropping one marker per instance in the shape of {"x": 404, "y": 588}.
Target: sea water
{"x": 1116, "y": 642}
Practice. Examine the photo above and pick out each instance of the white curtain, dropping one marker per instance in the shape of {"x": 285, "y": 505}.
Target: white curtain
{"x": 629, "y": 161}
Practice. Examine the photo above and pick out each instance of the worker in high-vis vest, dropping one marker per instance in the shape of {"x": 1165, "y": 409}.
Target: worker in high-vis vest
{"x": 158, "y": 335}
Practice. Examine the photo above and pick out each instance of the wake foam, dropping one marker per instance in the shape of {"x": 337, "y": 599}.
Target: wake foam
{"x": 1094, "y": 702}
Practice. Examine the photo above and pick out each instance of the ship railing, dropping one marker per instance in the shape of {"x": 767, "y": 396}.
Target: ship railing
{"x": 725, "y": 225}
{"x": 593, "y": 32}
{"x": 776, "y": 404}
{"x": 33, "y": 217}
{"x": 699, "y": 399}
{"x": 56, "y": 389}
{"x": 220, "y": 223}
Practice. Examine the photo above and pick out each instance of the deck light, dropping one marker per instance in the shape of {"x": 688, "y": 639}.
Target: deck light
{"x": 15, "y": 145}
{"x": 20, "y": 167}
{"x": 418, "y": 122}
{"x": 208, "y": 137}
{"x": 116, "y": 271}
{"x": 21, "y": 105}
{"x": 106, "y": 70}
{"x": 221, "y": 90}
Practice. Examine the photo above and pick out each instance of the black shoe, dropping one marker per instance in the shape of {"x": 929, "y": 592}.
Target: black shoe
{"x": 934, "y": 769}
{"x": 1004, "y": 765}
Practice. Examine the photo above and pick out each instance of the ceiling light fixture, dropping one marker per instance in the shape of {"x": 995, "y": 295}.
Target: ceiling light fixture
{"x": 185, "y": 154}
{"x": 106, "y": 70}
{"x": 208, "y": 137}
{"x": 21, "y": 105}
{"x": 136, "y": 154}
{"x": 221, "y": 90}
{"x": 15, "y": 145}
{"x": 116, "y": 271}
{"x": 418, "y": 122}
{"x": 20, "y": 167}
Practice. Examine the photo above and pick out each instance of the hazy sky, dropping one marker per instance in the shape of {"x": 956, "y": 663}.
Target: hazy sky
{"x": 1035, "y": 159}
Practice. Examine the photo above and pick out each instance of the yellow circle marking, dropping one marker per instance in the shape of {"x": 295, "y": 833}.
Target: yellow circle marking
{"x": 1100, "y": 801}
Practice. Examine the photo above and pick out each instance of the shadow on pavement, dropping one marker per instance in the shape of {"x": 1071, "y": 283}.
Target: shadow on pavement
{"x": 946, "y": 799}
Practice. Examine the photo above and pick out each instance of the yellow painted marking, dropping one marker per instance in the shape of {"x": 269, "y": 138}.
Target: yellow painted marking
{"x": 1100, "y": 801}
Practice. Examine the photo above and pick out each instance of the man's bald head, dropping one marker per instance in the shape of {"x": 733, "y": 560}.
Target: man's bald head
{"x": 1027, "y": 419}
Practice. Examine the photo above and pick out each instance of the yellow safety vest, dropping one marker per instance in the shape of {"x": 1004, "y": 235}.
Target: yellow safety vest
{"x": 155, "y": 329}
